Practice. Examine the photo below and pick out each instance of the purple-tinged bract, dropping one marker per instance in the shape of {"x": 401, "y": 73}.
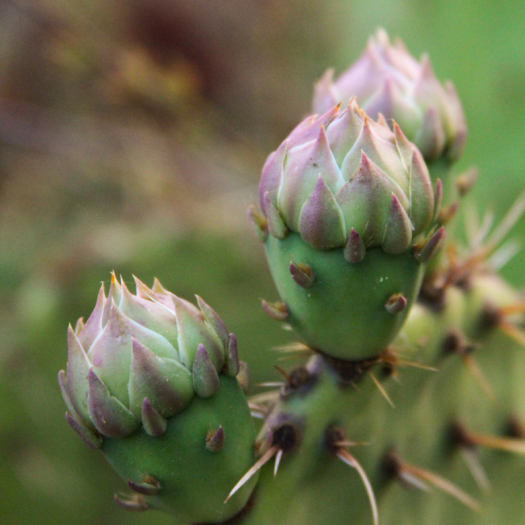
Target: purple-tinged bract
{"x": 140, "y": 359}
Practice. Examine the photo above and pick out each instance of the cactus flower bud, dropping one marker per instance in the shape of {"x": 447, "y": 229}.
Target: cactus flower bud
{"x": 345, "y": 199}
{"x": 148, "y": 377}
{"x": 387, "y": 80}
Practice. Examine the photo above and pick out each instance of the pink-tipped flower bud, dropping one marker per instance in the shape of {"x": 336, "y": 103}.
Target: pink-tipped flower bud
{"x": 387, "y": 80}
{"x": 344, "y": 201}
{"x": 343, "y": 172}
{"x": 140, "y": 359}
{"x": 156, "y": 384}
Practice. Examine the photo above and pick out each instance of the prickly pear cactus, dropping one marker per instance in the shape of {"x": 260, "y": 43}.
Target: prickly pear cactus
{"x": 408, "y": 405}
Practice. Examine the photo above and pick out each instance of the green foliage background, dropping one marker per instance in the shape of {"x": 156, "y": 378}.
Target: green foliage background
{"x": 132, "y": 137}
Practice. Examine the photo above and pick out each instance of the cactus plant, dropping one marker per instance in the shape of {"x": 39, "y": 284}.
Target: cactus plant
{"x": 349, "y": 218}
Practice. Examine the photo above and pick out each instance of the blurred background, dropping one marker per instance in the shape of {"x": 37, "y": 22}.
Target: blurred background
{"x": 132, "y": 135}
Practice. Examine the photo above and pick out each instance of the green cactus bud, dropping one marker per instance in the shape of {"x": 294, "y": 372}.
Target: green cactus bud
{"x": 204, "y": 451}
{"x": 388, "y": 81}
{"x": 151, "y": 381}
{"x": 346, "y": 199}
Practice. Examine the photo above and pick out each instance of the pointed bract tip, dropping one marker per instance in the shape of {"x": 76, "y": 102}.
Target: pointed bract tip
{"x": 141, "y": 290}
{"x": 154, "y": 424}
{"x": 396, "y": 303}
{"x": 355, "y": 249}
{"x": 232, "y": 366}
{"x": 352, "y": 104}
{"x": 243, "y": 377}
{"x": 302, "y": 274}
{"x": 448, "y": 213}
{"x": 114, "y": 296}
{"x": 398, "y": 232}
{"x": 465, "y": 182}
{"x": 431, "y": 137}
{"x": 381, "y": 36}
{"x": 205, "y": 377}
{"x": 382, "y": 120}
{"x": 321, "y": 222}
{"x": 438, "y": 199}
{"x": 149, "y": 486}
{"x": 213, "y": 319}
{"x": 258, "y": 222}
{"x": 398, "y": 133}
{"x": 423, "y": 253}
{"x": 329, "y": 115}
{"x": 79, "y": 325}
{"x": 276, "y": 226}
{"x": 364, "y": 163}
{"x": 157, "y": 287}
{"x": 215, "y": 440}
{"x": 426, "y": 66}
{"x": 276, "y": 310}
{"x": 62, "y": 383}
{"x": 328, "y": 76}
{"x": 133, "y": 502}
{"x": 90, "y": 437}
